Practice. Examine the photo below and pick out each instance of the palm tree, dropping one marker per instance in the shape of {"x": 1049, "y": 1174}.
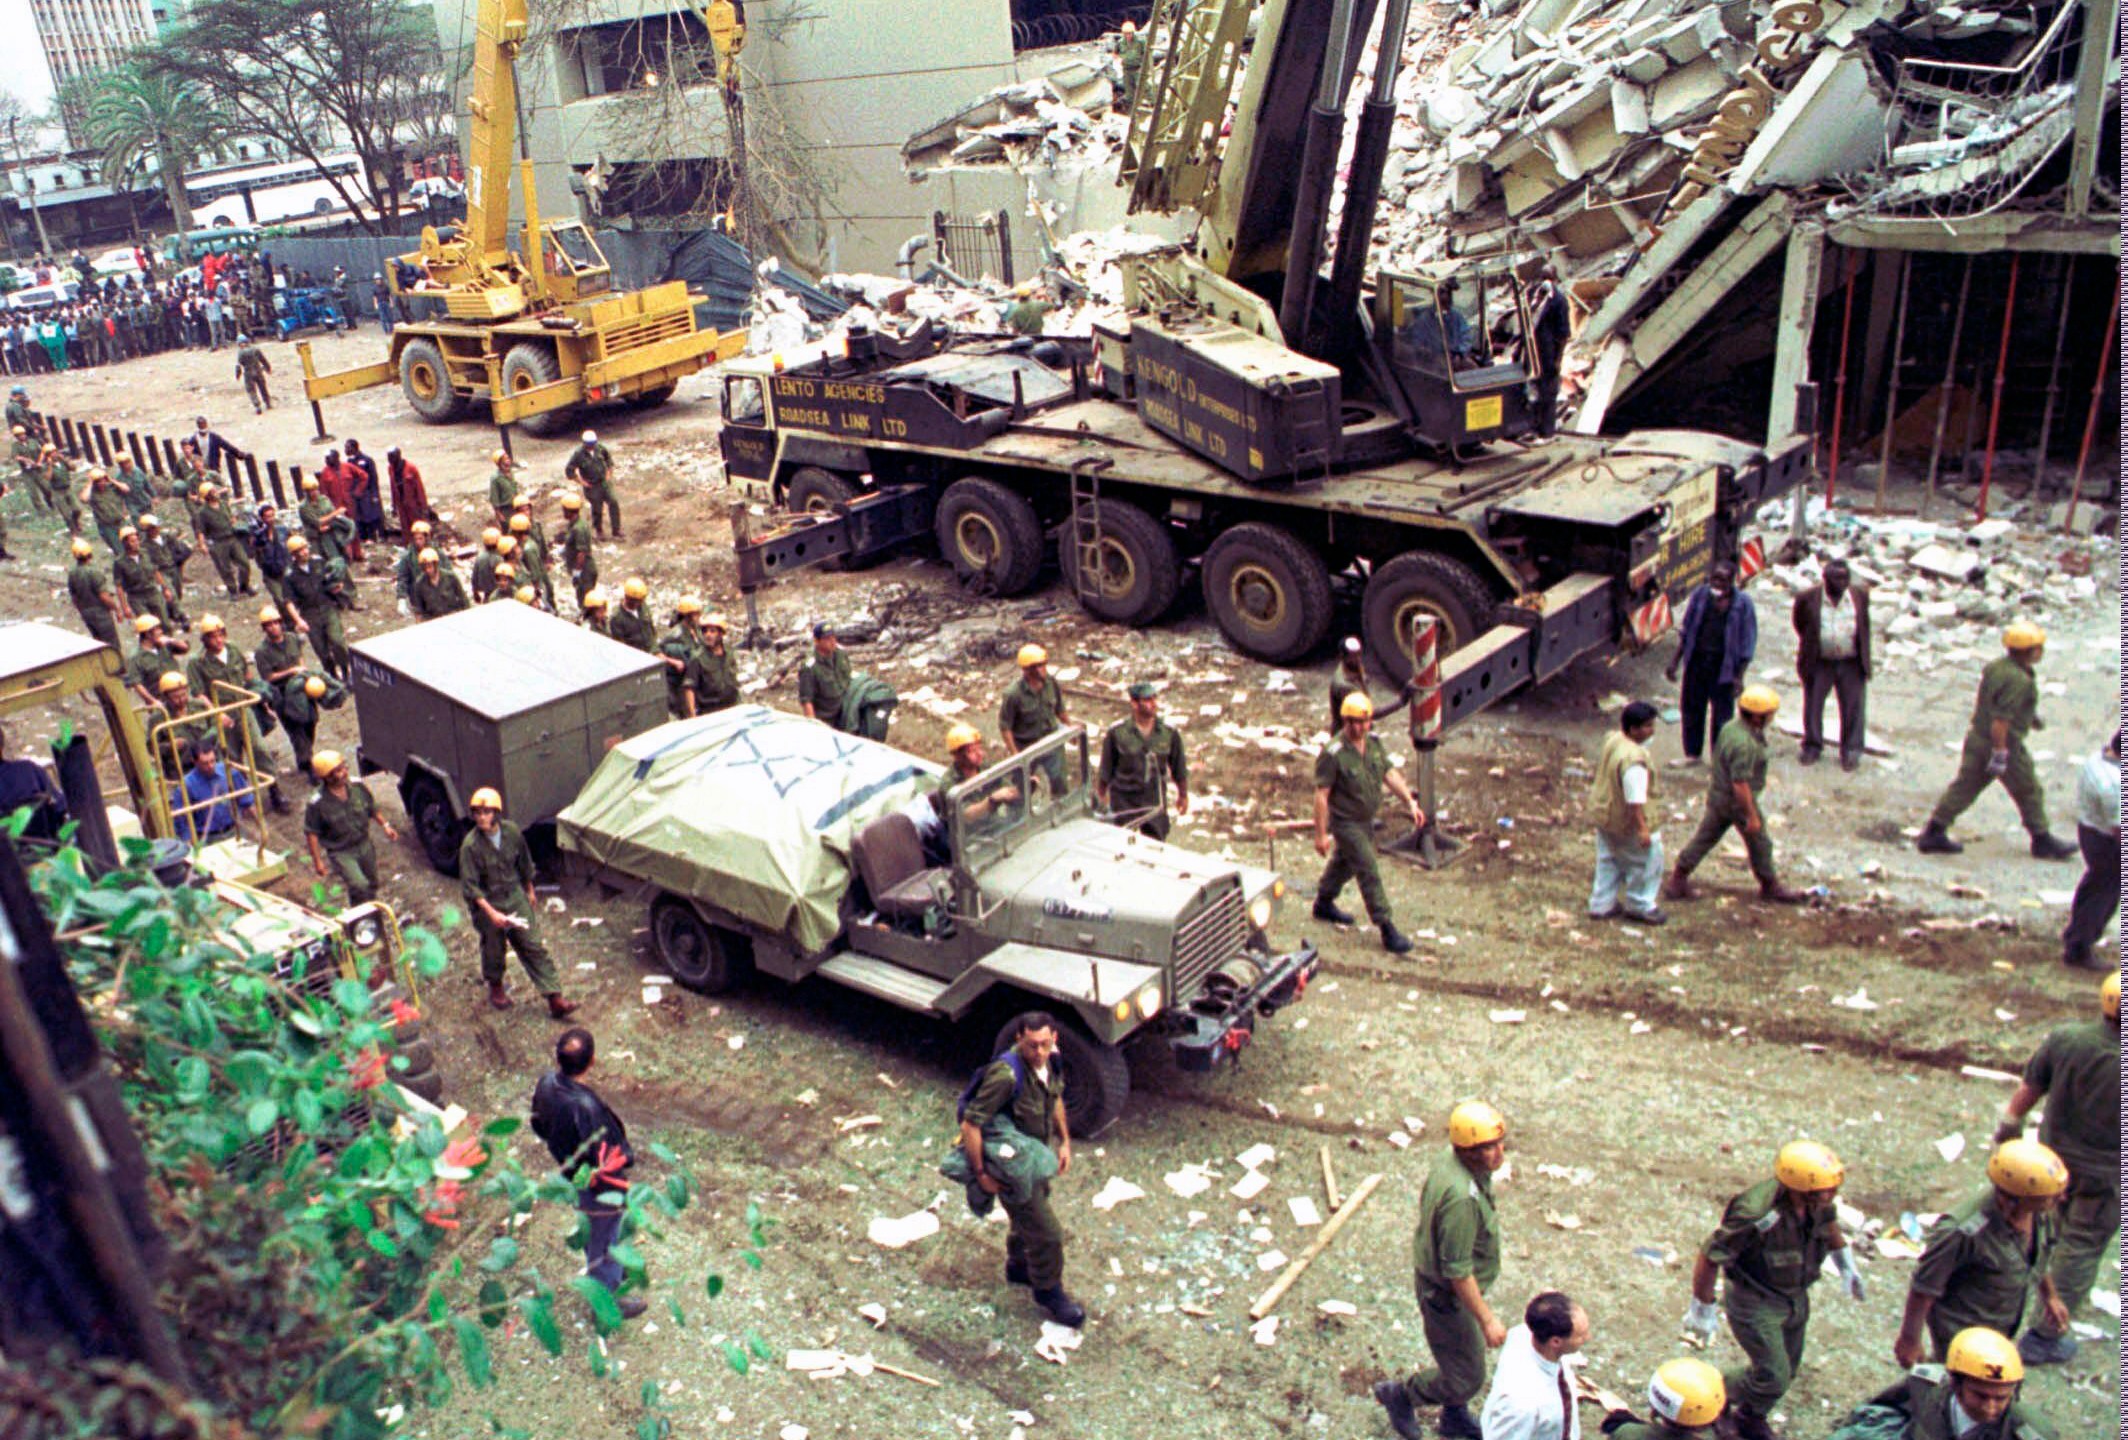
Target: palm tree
{"x": 134, "y": 114}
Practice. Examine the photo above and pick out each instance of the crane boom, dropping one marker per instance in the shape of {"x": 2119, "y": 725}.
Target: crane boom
{"x": 499, "y": 29}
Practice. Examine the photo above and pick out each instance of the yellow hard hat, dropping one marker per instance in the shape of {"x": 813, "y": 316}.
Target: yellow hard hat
{"x": 688, "y": 605}
{"x": 428, "y": 556}
{"x": 960, "y": 736}
{"x": 325, "y": 762}
{"x": 171, "y": 681}
{"x": 127, "y": 532}
{"x": 491, "y": 537}
{"x": 715, "y": 620}
{"x": 1032, "y": 655}
{"x": 314, "y": 687}
{"x": 572, "y": 501}
{"x": 2109, "y": 995}
{"x": 485, "y": 798}
{"x": 1758, "y": 700}
{"x": 1475, "y": 1123}
{"x": 310, "y": 482}
{"x": 595, "y": 599}
{"x": 526, "y": 595}
{"x": 150, "y": 522}
{"x": 17, "y": 430}
{"x": 142, "y": 624}
{"x": 1355, "y": 707}
{"x": 421, "y": 527}
{"x": 506, "y": 571}
{"x": 1979, "y": 1353}
{"x": 210, "y": 622}
{"x": 1806, "y": 1165}
{"x": 499, "y": 456}
{"x": 519, "y": 524}
{"x": 270, "y": 615}
{"x": 298, "y": 542}
{"x": 83, "y": 550}
{"x": 1687, "y": 1392}
{"x": 634, "y": 589}
{"x": 2023, "y": 635}
{"x": 2027, "y": 1169}
{"x": 507, "y": 545}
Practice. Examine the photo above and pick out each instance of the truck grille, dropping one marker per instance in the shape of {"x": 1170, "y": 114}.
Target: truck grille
{"x": 308, "y": 969}
{"x": 635, "y": 334}
{"x": 1217, "y": 932}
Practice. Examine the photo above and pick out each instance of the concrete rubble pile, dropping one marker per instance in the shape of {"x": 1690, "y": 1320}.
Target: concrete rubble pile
{"x": 1065, "y": 120}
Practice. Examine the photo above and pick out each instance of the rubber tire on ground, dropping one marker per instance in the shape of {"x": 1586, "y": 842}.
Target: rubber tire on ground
{"x": 1137, "y": 545}
{"x": 1282, "y": 571}
{"x": 652, "y": 399}
{"x": 428, "y": 1085}
{"x": 1450, "y": 591}
{"x": 1096, "y": 1076}
{"x": 420, "y": 1056}
{"x": 425, "y": 355}
{"x": 974, "y": 507}
{"x": 404, "y": 1033}
{"x": 528, "y": 364}
{"x": 705, "y": 958}
{"x": 814, "y": 491}
{"x": 436, "y": 828}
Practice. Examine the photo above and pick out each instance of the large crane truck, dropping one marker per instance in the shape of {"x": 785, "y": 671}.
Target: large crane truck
{"x": 1276, "y": 430}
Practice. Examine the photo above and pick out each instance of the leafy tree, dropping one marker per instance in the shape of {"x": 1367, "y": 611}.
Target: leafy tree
{"x": 135, "y": 114}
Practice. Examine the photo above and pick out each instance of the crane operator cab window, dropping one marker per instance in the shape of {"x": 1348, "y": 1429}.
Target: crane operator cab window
{"x": 572, "y": 253}
{"x": 1469, "y": 327}
{"x": 742, "y": 400}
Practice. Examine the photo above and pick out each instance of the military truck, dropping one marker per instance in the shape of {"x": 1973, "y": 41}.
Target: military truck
{"x": 502, "y": 695}
{"x": 766, "y": 842}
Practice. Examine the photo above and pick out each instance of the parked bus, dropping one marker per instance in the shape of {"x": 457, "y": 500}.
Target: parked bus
{"x": 269, "y": 194}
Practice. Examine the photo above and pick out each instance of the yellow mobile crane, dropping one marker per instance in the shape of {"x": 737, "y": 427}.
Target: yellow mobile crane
{"x": 539, "y": 332}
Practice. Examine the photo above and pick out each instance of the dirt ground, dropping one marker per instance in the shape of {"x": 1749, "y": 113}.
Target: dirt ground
{"x": 1650, "y": 1074}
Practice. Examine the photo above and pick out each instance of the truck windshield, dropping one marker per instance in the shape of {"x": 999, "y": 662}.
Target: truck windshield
{"x": 1041, "y": 786}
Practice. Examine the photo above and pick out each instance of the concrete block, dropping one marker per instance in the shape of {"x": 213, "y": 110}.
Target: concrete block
{"x": 1707, "y": 27}
{"x": 1684, "y": 92}
{"x": 1948, "y": 564}
{"x": 1989, "y": 530}
{"x": 1829, "y": 123}
{"x": 1680, "y": 40}
{"x": 1644, "y": 66}
{"x": 2089, "y": 517}
{"x": 1466, "y": 188}
{"x": 1629, "y": 110}
{"x": 1493, "y": 58}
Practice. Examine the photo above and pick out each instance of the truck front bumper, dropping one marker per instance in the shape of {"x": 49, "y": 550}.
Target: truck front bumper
{"x": 1211, "y": 1031}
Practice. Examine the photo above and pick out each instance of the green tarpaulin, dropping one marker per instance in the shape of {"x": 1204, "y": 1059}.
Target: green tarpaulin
{"x": 750, "y": 810}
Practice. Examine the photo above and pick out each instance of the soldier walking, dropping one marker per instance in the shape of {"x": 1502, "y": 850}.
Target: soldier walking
{"x": 1455, "y": 1259}
{"x": 318, "y": 588}
{"x": 1032, "y": 708}
{"x": 107, "y": 508}
{"x": 1349, "y": 777}
{"x": 1026, "y": 1085}
{"x": 226, "y": 549}
{"x": 1734, "y": 783}
{"x": 1980, "y": 1261}
{"x": 336, "y": 825}
{"x": 495, "y": 873}
{"x": 252, "y": 367}
{"x": 1139, "y": 755}
{"x": 100, "y": 606}
{"x": 2004, "y": 712}
{"x": 591, "y": 467}
{"x": 824, "y": 680}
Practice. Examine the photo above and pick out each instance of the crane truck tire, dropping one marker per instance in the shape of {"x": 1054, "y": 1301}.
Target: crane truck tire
{"x": 652, "y": 399}
{"x": 814, "y": 491}
{"x": 1417, "y": 584}
{"x": 527, "y": 366}
{"x": 1137, "y": 574}
{"x": 991, "y": 534}
{"x": 1096, "y": 1076}
{"x": 1269, "y": 593}
{"x": 426, "y": 382}
{"x": 706, "y": 958}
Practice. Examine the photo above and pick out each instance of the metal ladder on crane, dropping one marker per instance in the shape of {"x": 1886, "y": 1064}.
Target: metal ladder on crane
{"x": 1086, "y": 524}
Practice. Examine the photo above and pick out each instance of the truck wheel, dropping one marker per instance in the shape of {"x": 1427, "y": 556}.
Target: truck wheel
{"x": 1096, "y": 1077}
{"x": 1138, "y": 572}
{"x": 1269, "y": 593}
{"x": 429, "y": 1086}
{"x": 703, "y": 957}
{"x": 814, "y": 491}
{"x": 1415, "y": 585}
{"x": 426, "y": 382}
{"x": 420, "y": 1056}
{"x": 652, "y": 399}
{"x": 988, "y": 531}
{"x": 439, "y": 830}
{"x": 527, "y": 366}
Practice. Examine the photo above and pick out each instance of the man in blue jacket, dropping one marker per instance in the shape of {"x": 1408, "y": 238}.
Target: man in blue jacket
{"x": 1715, "y": 644}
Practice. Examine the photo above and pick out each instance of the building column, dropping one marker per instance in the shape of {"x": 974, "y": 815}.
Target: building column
{"x": 1791, "y": 348}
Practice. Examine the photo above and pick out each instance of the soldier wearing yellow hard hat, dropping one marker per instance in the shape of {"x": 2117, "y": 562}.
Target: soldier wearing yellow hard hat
{"x": 1686, "y": 1398}
{"x": 1972, "y": 1395}
{"x": 482, "y": 584}
{"x": 577, "y": 556}
{"x": 2077, "y": 1071}
{"x": 408, "y": 564}
{"x": 631, "y": 623}
{"x": 1455, "y": 1250}
{"x": 96, "y": 601}
{"x": 681, "y": 648}
{"x": 2005, "y": 711}
{"x": 495, "y": 874}
{"x": 502, "y": 486}
{"x": 1773, "y": 1240}
{"x": 1033, "y": 707}
{"x": 1989, "y": 1261}
{"x": 1734, "y": 782}
{"x": 592, "y": 613}
{"x": 716, "y": 679}
{"x": 823, "y": 679}
{"x": 336, "y": 826}
{"x": 437, "y": 591}
{"x": 1350, "y": 775}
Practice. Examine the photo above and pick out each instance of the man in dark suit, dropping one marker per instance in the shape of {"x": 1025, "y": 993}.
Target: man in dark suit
{"x": 1832, "y": 655}
{"x": 1551, "y": 327}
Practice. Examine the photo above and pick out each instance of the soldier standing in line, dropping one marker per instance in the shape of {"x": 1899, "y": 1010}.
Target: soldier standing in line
{"x": 591, "y": 467}
{"x": 336, "y": 826}
{"x": 502, "y": 487}
{"x": 577, "y": 558}
{"x": 1139, "y": 755}
{"x": 716, "y": 682}
{"x": 2004, "y": 712}
{"x": 824, "y": 679}
{"x": 631, "y": 623}
{"x": 505, "y": 582}
{"x": 217, "y": 665}
{"x": 532, "y": 556}
{"x": 592, "y": 614}
{"x": 107, "y": 508}
{"x": 100, "y": 606}
{"x": 408, "y": 565}
{"x": 1734, "y": 783}
{"x": 153, "y": 657}
{"x": 436, "y": 591}
{"x": 484, "y": 565}
{"x": 137, "y": 577}
{"x": 316, "y": 588}
{"x": 19, "y": 412}
{"x": 680, "y": 649}
{"x": 226, "y": 549}
{"x": 1032, "y": 708}
{"x": 495, "y": 873}
{"x": 57, "y": 477}
{"x": 168, "y": 555}
{"x": 1349, "y": 778}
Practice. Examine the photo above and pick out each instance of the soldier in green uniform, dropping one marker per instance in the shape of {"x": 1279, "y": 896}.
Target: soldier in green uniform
{"x": 1686, "y": 1396}
{"x": 2006, "y": 710}
{"x": 151, "y": 659}
{"x": 490, "y": 556}
{"x": 316, "y": 588}
{"x": 226, "y": 546}
{"x": 1351, "y": 678}
{"x": 1026, "y": 1083}
{"x": 169, "y": 555}
{"x": 138, "y": 578}
{"x": 99, "y": 606}
{"x": 1032, "y": 708}
{"x": 680, "y": 649}
{"x": 1772, "y": 1242}
{"x": 1138, "y": 758}
{"x": 502, "y": 488}
{"x": 107, "y": 508}
{"x": 591, "y": 466}
{"x": 592, "y": 616}
{"x": 437, "y": 591}
{"x": 1349, "y": 776}
{"x": 134, "y": 487}
{"x": 1130, "y": 59}
{"x": 57, "y": 477}
{"x": 824, "y": 679}
{"x": 321, "y": 522}
{"x": 1455, "y": 1252}
{"x": 1971, "y": 1396}
{"x": 213, "y": 674}
{"x": 1980, "y": 1261}
{"x": 19, "y": 412}
{"x": 408, "y": 565}
{"x": 2077, "y": 1070}
{"x": 716, "y": 681}
{"x": 252, "y": 367}
{"x": 1030, "y": 307}
{"x": 186, "y": 726}
{"x": 532, "y": 556}
{"x": 577, "y": 558}
{"x": 279, "y": 659}
{"x": 495, "y": 872}
{"x": 631, "y": 623}
{"x": 336, "y": 827}
{"x": 1734, "y": 782}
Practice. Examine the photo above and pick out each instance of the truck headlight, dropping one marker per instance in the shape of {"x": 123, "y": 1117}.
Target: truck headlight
{"x": 1147, "y": 1001}
{"x": 366, "y": 932}
{"x": 1260, "y": 912}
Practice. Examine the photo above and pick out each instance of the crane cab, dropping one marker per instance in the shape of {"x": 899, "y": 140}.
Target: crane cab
{"x": 1457, "y": 338}
{"x": 574, "y": 266}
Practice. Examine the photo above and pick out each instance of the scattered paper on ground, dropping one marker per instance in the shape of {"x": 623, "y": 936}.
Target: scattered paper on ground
{"x": 894, "y": 1234}
{"x": 1115, "y": 1192}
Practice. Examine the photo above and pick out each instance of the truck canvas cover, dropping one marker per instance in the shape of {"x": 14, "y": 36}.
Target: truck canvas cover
{"x": 750, "y": 809}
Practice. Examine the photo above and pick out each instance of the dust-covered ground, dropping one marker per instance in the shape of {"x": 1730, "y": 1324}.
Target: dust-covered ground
{"x": 1650, "y": 1074}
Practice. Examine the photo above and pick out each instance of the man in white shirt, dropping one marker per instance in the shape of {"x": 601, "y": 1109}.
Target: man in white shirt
{"x": 1833, "y": 658}
{"x": 2098, "y": 832}
{"x": 1533, "y": 1396}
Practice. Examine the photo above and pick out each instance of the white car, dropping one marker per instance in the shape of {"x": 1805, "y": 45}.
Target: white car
{"x": 36, "y": 297}
{"x": 119, "y": 261}
{"x": 434, "y": 187}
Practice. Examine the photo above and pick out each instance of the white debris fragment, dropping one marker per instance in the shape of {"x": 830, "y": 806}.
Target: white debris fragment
{"x": 1858, "y": 1001}
{"x": 1265, "y": 1331}
{"x": 1508, "y": 1017}
{"x": 1250, "y": 1185}
{"x": 876, "y": 1313}
{"x": 1304, "y": 1211}
{"x": 1950, "y": 1147}
{"x": 1256, "y": 1156}
{"x": 1189, "y": 1181}
{"x": 892, "y": 1234}
{"x": 1271, "y": 1260}
{"x": 1338, "y": 1307}
{"x": 1056, "y": 1341}
{"x": 1115, "y": 1192}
